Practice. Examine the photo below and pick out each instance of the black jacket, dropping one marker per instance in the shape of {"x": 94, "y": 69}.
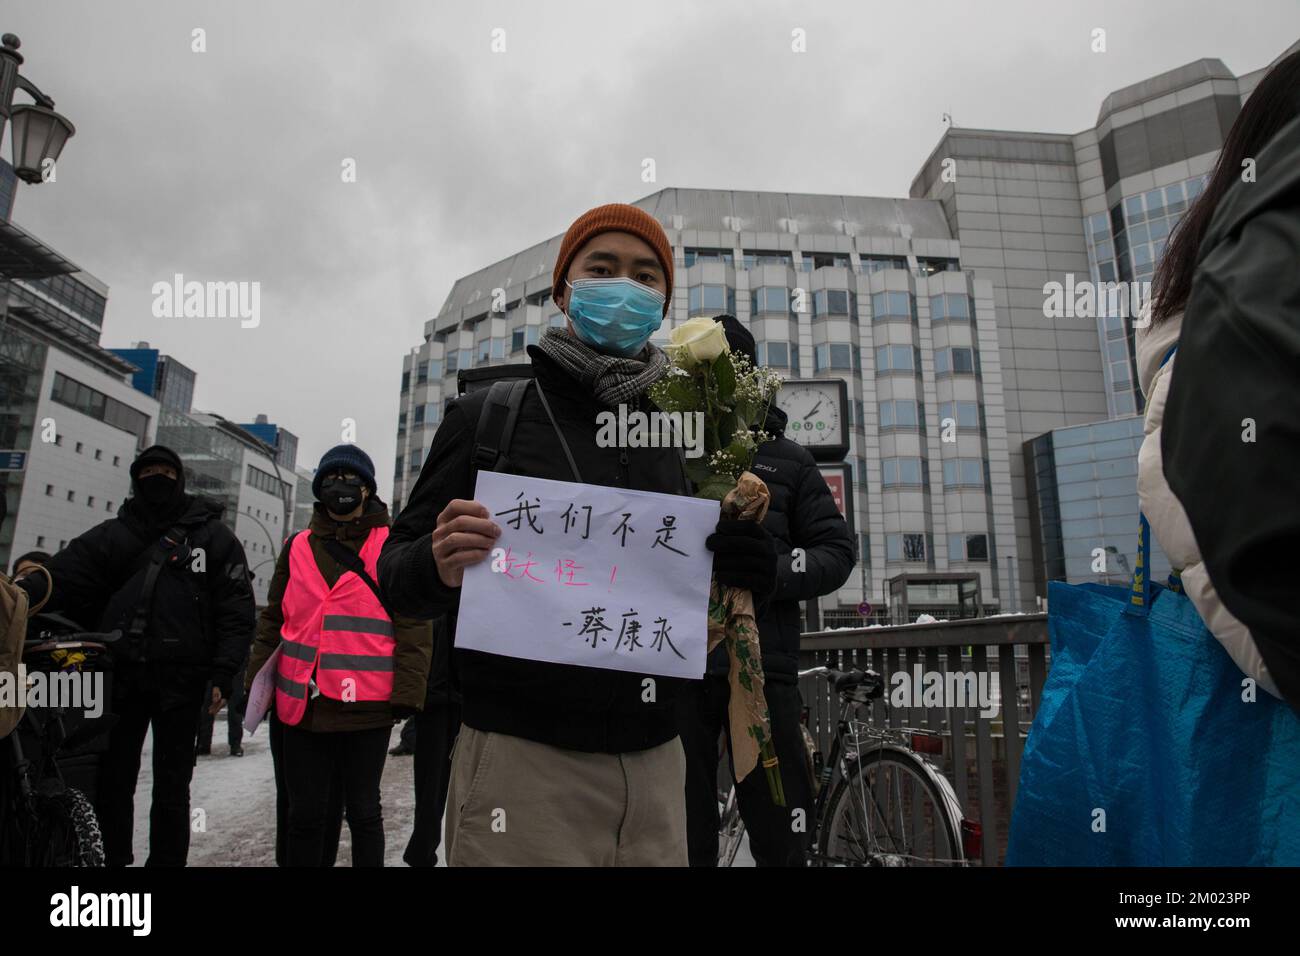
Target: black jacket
{"x": 579, "y": 708}
{"x": 802, "y": 515}
{"x": 202, "y": 614}
{"x": 1239, "y": 359}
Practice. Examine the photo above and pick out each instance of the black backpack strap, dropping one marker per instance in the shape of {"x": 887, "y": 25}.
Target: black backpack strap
{"x": 170, "y": 547}
{"x": 496, "y": 423}
{"x": 352, "y": 561}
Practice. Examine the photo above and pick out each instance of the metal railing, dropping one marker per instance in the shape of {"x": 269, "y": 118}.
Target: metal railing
{"x": 1003, "y": 661}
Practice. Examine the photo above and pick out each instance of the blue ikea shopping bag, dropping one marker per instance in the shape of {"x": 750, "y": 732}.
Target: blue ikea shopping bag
{"x": 1143, "y": 751}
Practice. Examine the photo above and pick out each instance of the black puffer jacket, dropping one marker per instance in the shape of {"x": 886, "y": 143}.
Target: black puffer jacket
{"x": 579, "y": 708}
{"x": 802, "y": 515}
{"x": 1238, "y": 372}
{"x": 202, "y": 613}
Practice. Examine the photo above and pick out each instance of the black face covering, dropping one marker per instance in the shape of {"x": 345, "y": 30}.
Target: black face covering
{"x": 157, "y": 492}
{"x": 341, "y": 496}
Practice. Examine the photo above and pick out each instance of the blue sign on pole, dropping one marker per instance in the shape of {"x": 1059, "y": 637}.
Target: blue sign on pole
{"x": 13, "y": 460}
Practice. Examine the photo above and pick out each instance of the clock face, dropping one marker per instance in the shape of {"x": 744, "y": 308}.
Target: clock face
{"x": 815, "y": 413}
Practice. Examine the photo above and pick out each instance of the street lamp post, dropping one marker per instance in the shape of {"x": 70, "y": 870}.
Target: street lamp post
{"x": 37, "y": 132}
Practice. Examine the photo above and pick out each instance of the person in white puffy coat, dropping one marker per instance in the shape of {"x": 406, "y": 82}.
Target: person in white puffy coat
{"x": 1164, "y": 512}
{"x": 1219, "y": 364}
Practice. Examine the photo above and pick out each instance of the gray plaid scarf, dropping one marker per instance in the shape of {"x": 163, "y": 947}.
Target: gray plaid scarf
{"x": 612, "y": 379}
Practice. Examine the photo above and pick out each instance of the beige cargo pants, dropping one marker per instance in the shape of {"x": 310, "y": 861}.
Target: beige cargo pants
{"x": 515, "y": 802}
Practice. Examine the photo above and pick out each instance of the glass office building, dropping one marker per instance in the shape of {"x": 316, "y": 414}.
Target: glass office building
{"x": 1084, "y": 501}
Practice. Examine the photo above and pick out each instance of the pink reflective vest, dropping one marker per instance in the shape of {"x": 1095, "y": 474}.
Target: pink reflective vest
{"x": 342, "y": 634}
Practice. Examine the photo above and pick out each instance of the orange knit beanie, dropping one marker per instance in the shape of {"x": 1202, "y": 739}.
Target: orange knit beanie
{"x": 615, "y": 217}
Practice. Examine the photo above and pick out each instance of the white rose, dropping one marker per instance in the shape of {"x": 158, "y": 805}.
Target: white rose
{"x": 697, "y": 340}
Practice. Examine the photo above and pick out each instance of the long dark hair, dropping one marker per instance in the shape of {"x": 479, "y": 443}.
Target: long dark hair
{"x": 1273, "y": 104}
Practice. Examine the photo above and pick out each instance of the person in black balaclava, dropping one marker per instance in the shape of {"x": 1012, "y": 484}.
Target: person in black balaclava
{"x": 170, "y": 576}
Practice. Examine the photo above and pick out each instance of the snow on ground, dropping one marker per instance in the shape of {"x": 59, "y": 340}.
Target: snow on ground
{"x": 237, "y": 795}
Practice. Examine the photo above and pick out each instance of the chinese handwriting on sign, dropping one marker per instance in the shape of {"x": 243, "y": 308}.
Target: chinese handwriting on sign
{"x": 593, "y": 627}
{"x": 636, "y": 561}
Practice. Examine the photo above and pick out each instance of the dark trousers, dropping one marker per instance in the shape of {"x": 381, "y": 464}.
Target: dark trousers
{"x": 174, "y": 730}
{"x": 311, "y": 762}
{"x": 777, "y": 836}
{"x": 333, "y": 813}
{"x": 234, "y": 716}
{"x": 435, "y": 731}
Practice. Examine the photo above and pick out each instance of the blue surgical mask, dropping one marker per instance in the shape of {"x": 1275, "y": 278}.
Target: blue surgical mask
{"x": 616, "y": 316}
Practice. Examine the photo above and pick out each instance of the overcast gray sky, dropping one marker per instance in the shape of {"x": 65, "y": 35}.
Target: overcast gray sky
{"x": 225, "y": 165}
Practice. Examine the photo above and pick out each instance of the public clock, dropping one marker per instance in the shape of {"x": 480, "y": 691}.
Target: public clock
{"x": 818, "y": 415}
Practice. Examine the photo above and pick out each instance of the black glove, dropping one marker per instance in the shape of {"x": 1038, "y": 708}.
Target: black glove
{"x": 744, "y": 556}
{"x": 402, "y": 711}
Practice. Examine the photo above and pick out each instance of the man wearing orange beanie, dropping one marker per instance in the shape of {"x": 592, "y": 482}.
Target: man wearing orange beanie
{"x": 586, "y": 771}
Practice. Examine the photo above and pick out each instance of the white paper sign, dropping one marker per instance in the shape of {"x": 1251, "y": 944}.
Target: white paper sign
{"x": 589, "y": 575}
{"x": 261, "y": 696}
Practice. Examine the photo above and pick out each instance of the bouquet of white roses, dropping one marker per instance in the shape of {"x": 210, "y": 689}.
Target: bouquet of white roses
{"x": 734, "y": 395}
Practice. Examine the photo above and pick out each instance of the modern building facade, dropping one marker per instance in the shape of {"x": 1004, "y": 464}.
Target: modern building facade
{"x": 870, "y": 290}
{"x": 1089, "y": 209}
{"x": 70, "y": 421}
{"x": 933, "y": 308}
{"x": 1084, "y": 504}
{"x": 161, "y": 376}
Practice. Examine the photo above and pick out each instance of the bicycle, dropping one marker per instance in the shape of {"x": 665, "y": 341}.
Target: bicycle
{"x": 877, "y": 800}
{"x": 45, "y": 821}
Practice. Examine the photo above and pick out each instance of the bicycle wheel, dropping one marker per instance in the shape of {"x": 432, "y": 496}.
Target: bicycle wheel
{"x": 888, "y": 811}
{"x": 731, "y": 830}
{"x": 67, "y": 831}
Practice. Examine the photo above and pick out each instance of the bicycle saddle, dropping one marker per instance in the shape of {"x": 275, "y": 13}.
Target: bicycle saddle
{"x": 871, "y": 683}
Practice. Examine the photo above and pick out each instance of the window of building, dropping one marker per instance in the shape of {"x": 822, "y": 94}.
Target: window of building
{"x": 954, "y": 361}
{"x": 79, "y": 447}
{"x": 422, "y": 374}
{"x": 416, "y": 458}
{"x": 901, "y": 471}
{"x": 90, "y": 501}
{"x": 905, "y": 547}
{"x": 263, "y": 481}
{"x": 899, "y": 413}
{"x": 117, "y": 461}
{"x": 951, "y": 306}
{"x": 99, "y": 454}
{"x": 453, "y": 360}
{"x": 63, "y": 543}
{"x": 435, "y": 369}
{"x": 406, "y": 382}
{"x": 778, "y": 354}
{"x": 466, "y": 358}
{"x": 968, "y": 547}
{"x": 963, "y": 473}
{"x": 757, "y": 257}
{"x": 834, "y": 357}
{"x": 930, "y": 265}
{"x": 49, "y": 489}
{"x": 40, "y": 541}
{"x": 714, "y": 299}
{"x": 419, "y": 415}
{"x": 401, "y": 422}
{"x": 694, "y": 255}
{"x": 823, "y": 260}
{"x": 533, "y": 334}
{"x": 868, "y": 264}
{"x": 964, "y": 414}
{"x": 830, "y": 302}
{"x": 891, "y": 306}
{"x": 70, "y": 494}
{"x": 108, "y": 506}
{"x": 770, "y": 299}
{"x": 896, "y": 358}
{"x": 517, "y": 340}
{"x": 58, "y": 440}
